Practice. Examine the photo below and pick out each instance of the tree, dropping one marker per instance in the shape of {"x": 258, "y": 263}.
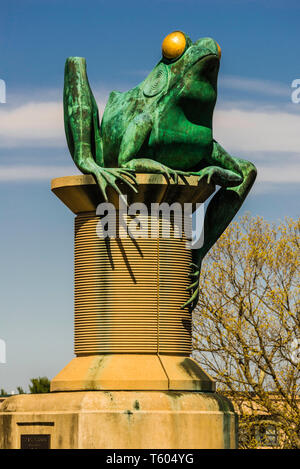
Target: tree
{"x": 39, "y": 385}
{"x": 246, "y": 325}
{"x": 3, "y": 393}
{"x": 20, "y": 390}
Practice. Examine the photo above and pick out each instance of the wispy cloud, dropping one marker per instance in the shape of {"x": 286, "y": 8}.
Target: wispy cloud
{"x": 35, "y": 173}
{"x": 264, "y": 87}
{"x": 289, "y": 174}
{"x": 255, "y": 130}
{"x": 32, "y": 124}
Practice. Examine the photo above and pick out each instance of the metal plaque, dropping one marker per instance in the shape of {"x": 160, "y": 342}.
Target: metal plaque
{"x": 35, "y": 441}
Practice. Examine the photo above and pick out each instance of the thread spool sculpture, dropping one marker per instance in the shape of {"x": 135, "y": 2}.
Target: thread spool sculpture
{"x": 130, "y": 330}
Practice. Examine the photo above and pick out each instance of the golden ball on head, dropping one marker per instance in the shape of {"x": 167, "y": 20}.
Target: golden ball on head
{"x": 173, "y": 45}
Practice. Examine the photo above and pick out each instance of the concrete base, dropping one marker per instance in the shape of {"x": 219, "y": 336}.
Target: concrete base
{"x": 132, "y": 372}
{"x": 118, "y": 420}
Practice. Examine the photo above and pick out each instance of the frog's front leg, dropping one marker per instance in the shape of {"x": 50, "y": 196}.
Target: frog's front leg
{"x": 82, "y": 128}
{"x": 132, "y": 141}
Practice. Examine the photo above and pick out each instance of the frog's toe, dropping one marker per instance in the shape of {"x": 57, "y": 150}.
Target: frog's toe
{"x": 170, "y": 175}
{"x": 203, "y": 176}
{"x": 129, "y": 171}
{"x": 114, "y": 174}
{"x": 191, "y": 300}
{"x": 130, "y": 183}
{"x": 175, "y": 177}
{"x": 193, "y": 285}
{"x": 166, "y": 174}
{"x": 110, "y": 179}
{"x": 102, "y": 184}
{"x": 194, "y": 274}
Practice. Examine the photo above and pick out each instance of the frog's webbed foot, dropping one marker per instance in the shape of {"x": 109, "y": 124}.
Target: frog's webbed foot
{"x": 108, "y": 177}
{"x": 194, "y": 287}
{"x": 146, "y": 165}
{"x": 216, "y": 175}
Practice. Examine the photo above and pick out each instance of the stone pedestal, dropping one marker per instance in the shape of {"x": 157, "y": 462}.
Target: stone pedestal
{"x": 119, "y": 420}
{"x": 136, "y": 385}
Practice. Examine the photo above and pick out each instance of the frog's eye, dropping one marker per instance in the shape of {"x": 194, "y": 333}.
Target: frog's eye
{"x": 219, "y": 50}
{"x": 173, "y": 45}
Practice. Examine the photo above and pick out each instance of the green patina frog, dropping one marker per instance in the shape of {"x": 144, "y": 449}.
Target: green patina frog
{"x": 163, "y": 125}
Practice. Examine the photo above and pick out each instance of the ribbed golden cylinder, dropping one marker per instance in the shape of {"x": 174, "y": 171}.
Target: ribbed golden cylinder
{"x": 128, "y": 292}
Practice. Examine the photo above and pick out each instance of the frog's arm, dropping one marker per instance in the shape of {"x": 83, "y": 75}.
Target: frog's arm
{"x": 222, "y": 208}
{"x": 82, "y": 127}
{"x": 136, "y": 134}
{"x": 81, "y": 116}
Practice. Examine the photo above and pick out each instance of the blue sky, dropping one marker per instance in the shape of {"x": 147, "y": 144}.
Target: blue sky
{"x": 121, "y": 41}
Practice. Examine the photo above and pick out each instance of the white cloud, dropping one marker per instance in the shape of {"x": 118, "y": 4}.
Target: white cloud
{"x": 266, "y": 87}
{"x": 259, "y": 130}
{"x": 35, "y": 173}
{"x": 32, "y": 124}
{"x": 279, "y": 174}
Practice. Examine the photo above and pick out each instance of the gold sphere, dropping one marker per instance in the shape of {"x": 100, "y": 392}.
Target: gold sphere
{"x": 173, "y": 45}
